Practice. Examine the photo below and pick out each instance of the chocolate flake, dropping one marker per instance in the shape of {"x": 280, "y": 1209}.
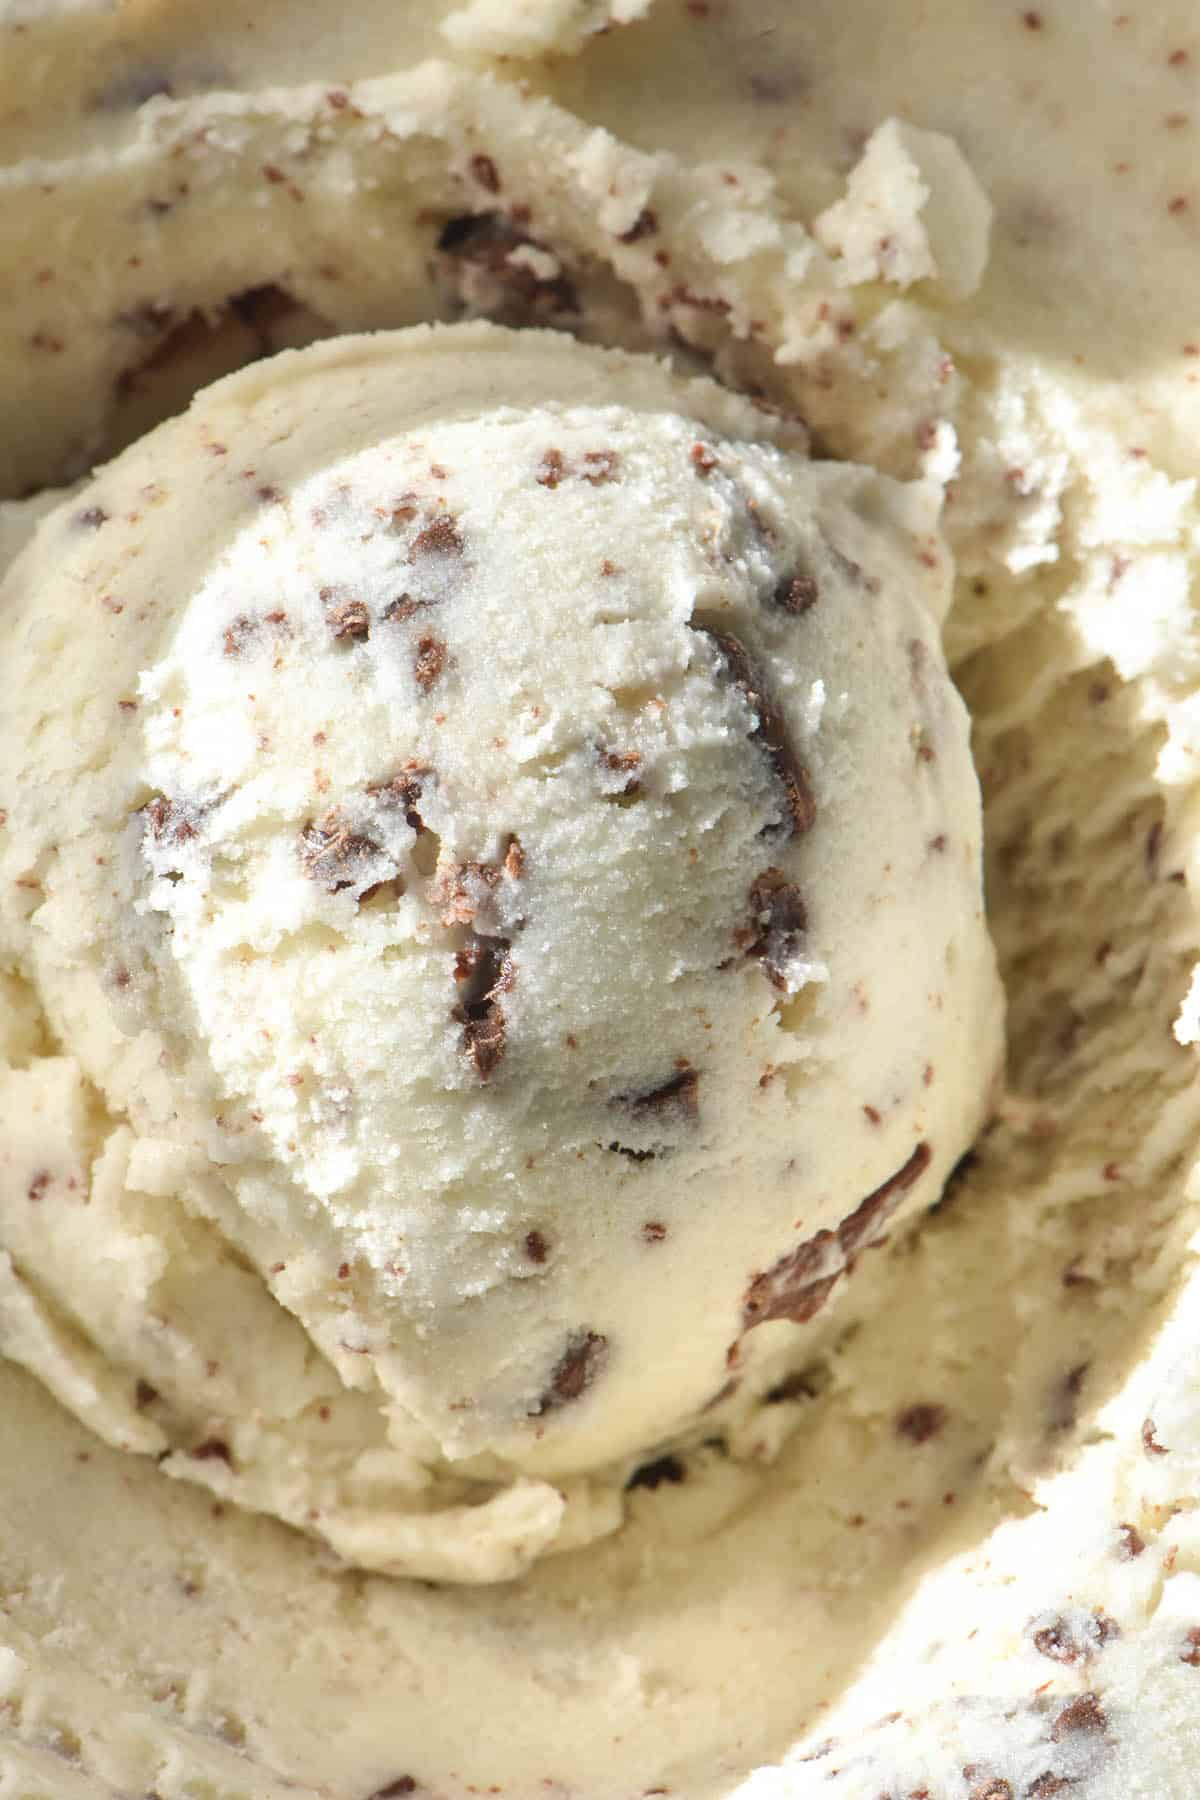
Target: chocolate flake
{"x": 476, "y": 257}
{"x": 484, "y": 1025}
{"x": 213, "y": 1449}
{"x": 404, "y": 607}
{"x": 551, "y": 469}
{"x": 486, "y": 174}
{"x": 653, "y": 1474}
{"x": 879, "y": 1205}
{"x": 536, "y": 1247}
{"x": 600, "y": 466}
{"x": 441, "y": 537}
{"x": 678, "y": 1099}
{"x": 144, "y": 1395}
{"x": 39, "y": 1181}
{"x": 92, "y": 517}
{"x": 238, "y": 633}
{"x": 1081, "y": 1714}
{"x": 798, "y": 1285}
{"x": 1071, "y": 1641}
{"x": 403, "y": 1784}
{"x": 1046, "y": 1786}
{"x": 429, "y": 662}
{"x": 172, "y": 821}
{"x": 796, "y": 594}
{"x": 703, "y": 460}
{"x": 996, "y": 1789}
{"x": 921, "y": 1422}
{"x": 404, "y": 790}
{"x": 1150, "y": 1442}
{"x": 1132, "y": 1542}
{"x": 1190, "y": 1654}
{"x": 575, "y": 1371}
{"x": 779, "y": 919}
{"x": 333, "y": 854}
{"x": 768, "y": 728}
{"x": 348, "y": 620}
{"x": 653, "y": 1231}
{"x": 645, "y": 225}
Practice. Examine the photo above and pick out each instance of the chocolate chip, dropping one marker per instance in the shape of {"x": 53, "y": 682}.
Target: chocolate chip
{"x": 39, "y": 1181}
{"x": 237, "y": 634}
{"x": 213, "y": 1449}
{"x": 404, "y": 607}
{"x": 1149, "y": 1440}
{"x": 1132, "y": 1542}
{"x": 551, "y": 469}
{"x": 429, "y": 662}
{"x": 600, "y": 466}
{"x": 703, "y": 460}
{"x": 653, "y": 1231}
{"x": 441, "y": 537}
{"x": 536, "y": 1247}
{"x": 921, "y": 1422}
{"x": 484, "y": 1025}
{"x": 348, "y": 620}
{"x": 332, "y": 854}
{"x": 92, "y": 517}
{"x": 404, "y": 790}
{"x": 677, "y": 1099}
{"x": 653, "y": 1474}
{"x": 1190, "y": 1654}
{"x": 778, "y": 920}
{"x": 403, "y": 1784}
{"x": 1071, "y": 1641}
{"x": 486, "y": 174}
{"x": 144, "y": 1395}
{"x": 996, "y": 1789}
{"x": 796, "y": 594}
{"x": 475, "y": 258}
{"x": 645, "y": 225}
{"x": 1046, "y": 1786}
{"x": 575, "y": 1371}
{"x": 1081, "y": 1714}
{"x": 768, "y": 728}
{"x": 172, "y": 821}
{"x": 622, "y": 762}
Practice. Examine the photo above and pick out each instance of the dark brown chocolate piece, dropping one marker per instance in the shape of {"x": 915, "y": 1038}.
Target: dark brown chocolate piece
{"x": 1084, "y": 1713}
{"x": 484, "y": 1025}
{"x": 921, "y": 1421}
{"x": 441, "y": 537}
{"x": 475, "y": 257}
{"x": 575, "y": 1371}
{"x": 677, "y": 1099}
{"x": 796, "y": 593}
{"x": 333, "y": 854}
{"x": 778, "y": 920}
{"x": 653, "y": 1474}
{"x": 1077, "y": 1640}
{"x": 404, "y": 790}
{"x": 768, "y": 729}
{"x": 430, "y": 662}
{"x": 644, "y": 226}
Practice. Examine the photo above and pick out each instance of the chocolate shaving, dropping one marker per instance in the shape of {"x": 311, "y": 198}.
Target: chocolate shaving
{"x": 796, "y": 594}
{"x": 92, "y": 517}
{"x": 536, "y": 1247}
{"x": 768, "y": 728}
{"x": 476, "y": 258}
{"x": 653, "y": 1474}
{"x": 921, "y": 1422}
{"x": 879, "y": 1205}
{"x": 429, "y": 662}
{"x": 1065, "y": 1641}
{"x": 403, "y": 1784}
{"x": 1046, "y": 1786}
{"x": 1081, "y": 1714}
{"x": 575, "y": 1371}
{"x": 486, "y": 174}
{"x": 213, "y": 1449}
{"x": 677, "y": 1099}
{"x": 551, "y": 469}
{"x": 600, "y": 466}
{"x": 404, "y": 607}
{"x": 645, "y": 225}
{"x": 349, "y": 620}
{"x": 779, "y": 919}
{"x": 484, "y": 1026}
{"x": 441, "y": 537}
{"x": 798, "y": 1285}
{"x": 404, "y": 790}
{"x": 172, "y": 821}
{"x": 332, "y": 854}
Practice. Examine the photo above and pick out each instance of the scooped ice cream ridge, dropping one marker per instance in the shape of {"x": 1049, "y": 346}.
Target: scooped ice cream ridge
{"x": 499, "y": 847}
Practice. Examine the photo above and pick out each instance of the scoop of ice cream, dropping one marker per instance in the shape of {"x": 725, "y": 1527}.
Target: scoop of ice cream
{"x": 491, "y": 885}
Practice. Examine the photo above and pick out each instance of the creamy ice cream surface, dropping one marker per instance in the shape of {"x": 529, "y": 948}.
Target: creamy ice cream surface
{"x": 516, "y": 900}
{"x": 492, "y": 982}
